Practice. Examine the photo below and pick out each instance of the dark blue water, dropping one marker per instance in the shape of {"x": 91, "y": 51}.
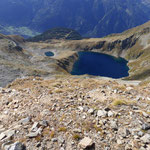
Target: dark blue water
{"x": 49, "y": 53}
{"x": 100, "y": 65}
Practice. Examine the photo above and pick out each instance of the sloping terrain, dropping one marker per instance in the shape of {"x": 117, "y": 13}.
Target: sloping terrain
{"x": 16, "y": 61}
{"x": 59, "y": 113}
{"x": 57, "y": 33}
{"x": 21, "y": 58}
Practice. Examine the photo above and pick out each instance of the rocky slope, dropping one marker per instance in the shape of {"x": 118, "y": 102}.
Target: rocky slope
{"x": 28, "y": 58}
{"x": 74, "y": 113}
{"x": 94, "y": 18}
{"x": 56, "y": 111}
{"x": 57, "y": 33}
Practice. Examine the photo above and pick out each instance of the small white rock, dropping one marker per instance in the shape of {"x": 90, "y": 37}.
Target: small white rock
{"x": 101, "y": 113}
{"x": 35, "y": 126}
{"x": 80, "y": 108}
{"x": 85, "y": 142}
{"x": 91, "y": 111}
{"x": 146, "y": 138}
{"x": 2, "y": 136}
{"x": 110, "y": 114}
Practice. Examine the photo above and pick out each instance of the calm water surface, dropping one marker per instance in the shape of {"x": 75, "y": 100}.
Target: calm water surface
{"x": 49, "y": 53}
{"x": 98, "y": 64}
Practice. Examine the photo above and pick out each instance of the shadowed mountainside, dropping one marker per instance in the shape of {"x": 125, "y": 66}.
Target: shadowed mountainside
{"x": 91, "y": 18}
{"x": 57, "y": 33}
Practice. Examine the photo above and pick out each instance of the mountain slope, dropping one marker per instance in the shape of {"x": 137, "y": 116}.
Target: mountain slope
{"x": 57, "y": 33}
{"x": 21, "y": 58}
{"x": 89, "y": 17}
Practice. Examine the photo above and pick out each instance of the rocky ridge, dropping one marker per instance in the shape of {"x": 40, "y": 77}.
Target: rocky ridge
{"x": 20, "y": 58}
{"x": 74, "y": 113}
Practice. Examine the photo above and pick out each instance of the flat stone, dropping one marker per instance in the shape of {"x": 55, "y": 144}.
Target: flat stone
{"x": 2, "y": 136}
{"x": 9, "y": 133}
{"x": 145, "y": 114}
{"x": 35, "y": 126}
{"x": 77, "y": 130}
{"x": 146, "y": 138}
{"x": 17, "y": 146}
{"x": 25, "y": 120}
{"x": 34, "y": 134}
{"x": 101, "y": 113}
{"x": 61, "y": 140}
{"x": 140, "y": 133}
{"x": 85, "y": 142}
{"x": 43, "y": 123}
{"x": 145, "y": 127}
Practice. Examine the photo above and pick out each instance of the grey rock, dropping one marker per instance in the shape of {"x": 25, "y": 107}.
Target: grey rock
{"x": 2, "y": 136}
{"x": 135, "y": 108}
{"x": 61, "y": 140}
{"x": 77, "y": 130}
{"x": 113, "y": 125}
{"x": 17, "y": 146}
{"x": 140, "y": 133}
{"x": 91, "y": 111}
{"x": 119, "y": 142}
{"x": 145, "y": 127}
{"x": 9, "y": 133}
{"x": 101, "y": 113}
{"x": 25, "y": 120}
{"x": 146, "y": 138}
{"x": 81, "y": 108}
{"x": 32, "y": 134}
{"x": 85, "y": 142}
{"x": 124, "y": 132}
{"x": 145, "y": 114}
{"x": 35, "y": 134}
{"x": 110, "y": 114}
{"x": 35, "y": 126}
{"x": 54, "y": 139}
{"x": 44, "y": 123}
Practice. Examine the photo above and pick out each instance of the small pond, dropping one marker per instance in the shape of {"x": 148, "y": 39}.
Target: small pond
{"x": 99, "y": 64}
{"x": 49, "y": 53}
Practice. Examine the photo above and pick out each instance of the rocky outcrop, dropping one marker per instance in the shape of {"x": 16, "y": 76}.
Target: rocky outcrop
{"x": 67, "y": 63}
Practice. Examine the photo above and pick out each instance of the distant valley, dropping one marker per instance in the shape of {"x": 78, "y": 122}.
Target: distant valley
{"x": 91, "y": 18}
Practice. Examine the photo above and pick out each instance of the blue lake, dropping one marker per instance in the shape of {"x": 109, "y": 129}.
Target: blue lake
{"x": 49, "y": 53}
{"x": 98, "y": 64}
